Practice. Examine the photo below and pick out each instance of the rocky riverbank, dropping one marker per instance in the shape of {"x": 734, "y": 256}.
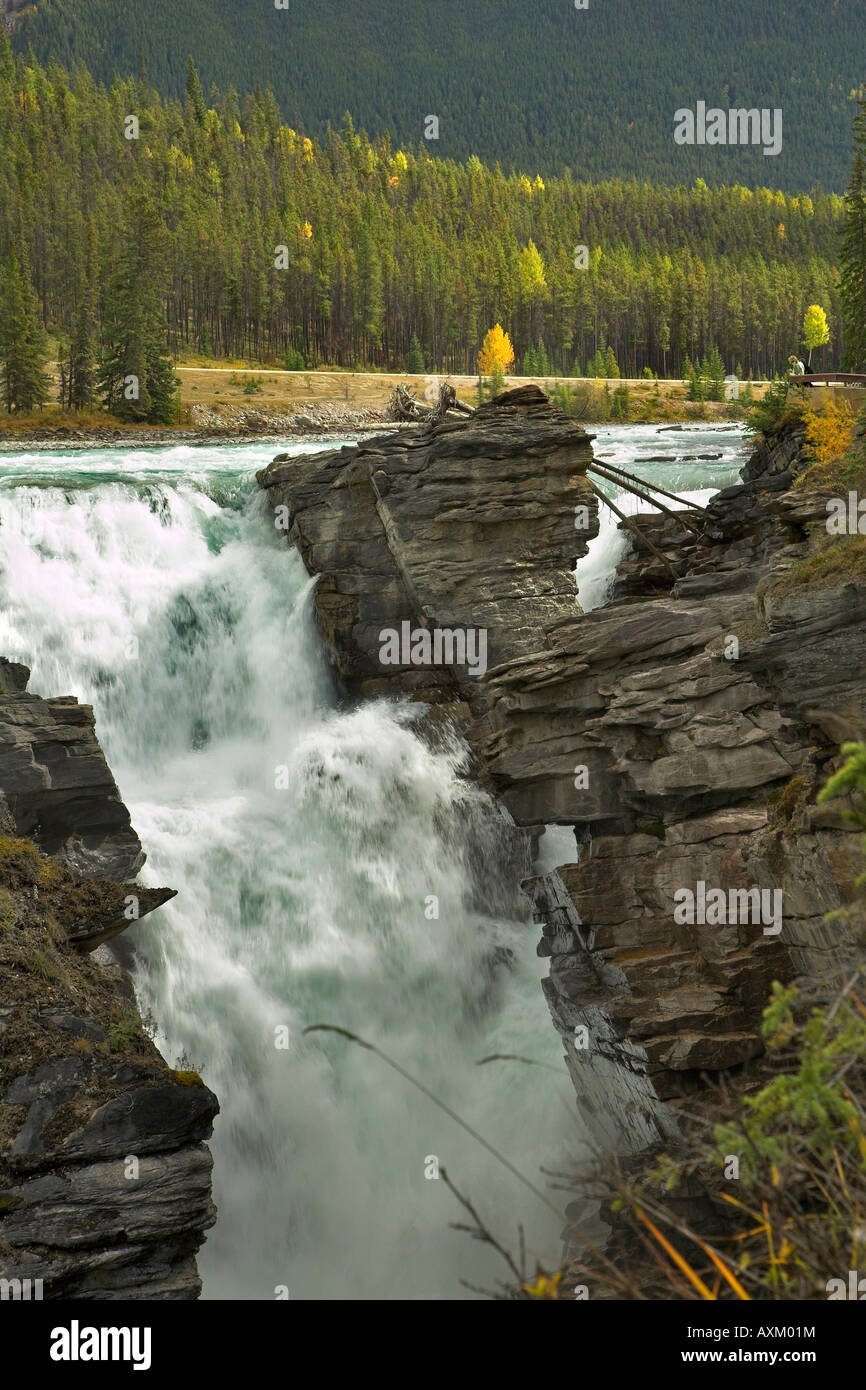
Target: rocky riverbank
{"x": 105, "y": 1187}
{"x": 313, "y": 423}
{"x": 683, "y": 730}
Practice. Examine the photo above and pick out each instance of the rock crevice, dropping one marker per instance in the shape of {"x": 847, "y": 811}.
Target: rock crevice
{"x": 683, "y": 729}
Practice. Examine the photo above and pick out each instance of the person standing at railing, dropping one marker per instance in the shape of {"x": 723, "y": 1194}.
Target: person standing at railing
{"x": 795, "y": 366}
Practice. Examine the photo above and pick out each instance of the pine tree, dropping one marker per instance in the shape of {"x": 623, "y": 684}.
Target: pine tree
{"x": 692, "y": 378}
{"x": 7, "y": 62}
{"x": 533, "y": 288}
{"x": 135, "y": 375}
{"x": 370, "y": 297}
{"x": 713, "y": 375}
{"x": 620, "y": 403}
{"x": 415, "y": 358}
{"x": 194, "y": 94}
{"x": 378, "y": 240}
{"x": 82, "y": 351}
{"x": 852, "y": 254}
{"x": 596, "y": 365}
{"x": 23, "y": 349}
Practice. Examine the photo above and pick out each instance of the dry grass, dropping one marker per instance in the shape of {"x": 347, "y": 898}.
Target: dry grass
{"x": 689, "y": 1225}
{"x": 839, "y": 558}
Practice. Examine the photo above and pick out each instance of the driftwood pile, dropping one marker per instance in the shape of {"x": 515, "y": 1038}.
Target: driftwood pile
{"x": 403, "y": 406}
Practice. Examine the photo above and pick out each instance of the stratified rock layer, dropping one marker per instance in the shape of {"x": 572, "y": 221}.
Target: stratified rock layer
{"x": 105, "y": 1187}
{"x": 57, "y": 784}
{"x": 684, "y": 729}
{"x": 471, "y": 524}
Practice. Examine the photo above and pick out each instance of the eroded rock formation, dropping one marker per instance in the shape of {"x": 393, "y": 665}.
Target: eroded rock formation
{"x": 56, "y": 782}
{"x": 700, "y": 710}
{"x": 105, "y": 1187}
{"x": 470, "y": 524}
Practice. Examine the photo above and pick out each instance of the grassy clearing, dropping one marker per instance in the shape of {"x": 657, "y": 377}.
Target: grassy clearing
{"x": 216, "y": 384}
{"x": 836, "y": 465}
{"x": 55, "y": 417}
{"x": 839, "y": 557}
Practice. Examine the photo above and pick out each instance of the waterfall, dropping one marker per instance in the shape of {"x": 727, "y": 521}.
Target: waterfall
{"x": 660, "y": 457}
{"x": 332, "y": 866}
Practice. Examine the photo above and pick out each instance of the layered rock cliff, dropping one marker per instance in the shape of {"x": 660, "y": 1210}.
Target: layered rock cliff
{"x": 105, "y": 1185}
{"x": 682, "y": 730}
{"x": 470, "y": 524}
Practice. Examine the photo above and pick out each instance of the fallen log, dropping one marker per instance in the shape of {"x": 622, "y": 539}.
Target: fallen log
{"x": 403, "y": 406}
{"x": 645, "y": 496}
{"x": 635, "y": 530}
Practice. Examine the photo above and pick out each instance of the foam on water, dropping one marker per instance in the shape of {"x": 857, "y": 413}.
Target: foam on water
{"x": 692, "y": 479}
{"x": 307, "y": 844}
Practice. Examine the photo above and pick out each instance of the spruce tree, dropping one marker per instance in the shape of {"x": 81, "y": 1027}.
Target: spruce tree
{"x": 611, "y": 368}
{"x": 415, "y": 358}
{"x": 370, "y": 296}
{"x": 690, "y": 376}
{"x": 194, "y": 94}
{"x": 23, "y": 348}
{"x": 82, "y": 351}
{"x": 432, "y": 253}
{"x": 136, "y": 377}
{"x": 852, "y": 254}
{"x": 713, "y": 372}
{"x": 596, "y": 366}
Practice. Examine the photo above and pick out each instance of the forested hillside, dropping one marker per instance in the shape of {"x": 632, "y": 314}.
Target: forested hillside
{"x": 240, "y": 236}
{"x": 538, "y": 86}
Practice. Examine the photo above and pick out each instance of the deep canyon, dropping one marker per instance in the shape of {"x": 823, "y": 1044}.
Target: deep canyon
{"x": 308, "y": 805}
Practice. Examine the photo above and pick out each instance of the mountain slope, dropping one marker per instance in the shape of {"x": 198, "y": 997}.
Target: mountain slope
{"x": 538, "y": 86}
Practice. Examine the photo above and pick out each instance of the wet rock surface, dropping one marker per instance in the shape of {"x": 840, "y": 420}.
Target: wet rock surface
{"x": 470, "y": 524}
{"x": 56, "y": 783}
{"x": 104, "y": 1172}
{"x": 684, "y": 729}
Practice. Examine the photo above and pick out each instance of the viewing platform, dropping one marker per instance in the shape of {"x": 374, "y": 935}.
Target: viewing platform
{"x": 848, "y": 386}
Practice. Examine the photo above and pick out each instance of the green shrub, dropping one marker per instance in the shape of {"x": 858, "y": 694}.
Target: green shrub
{"x": 767, "y": 413}
{"x": 124, "y": 1033}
